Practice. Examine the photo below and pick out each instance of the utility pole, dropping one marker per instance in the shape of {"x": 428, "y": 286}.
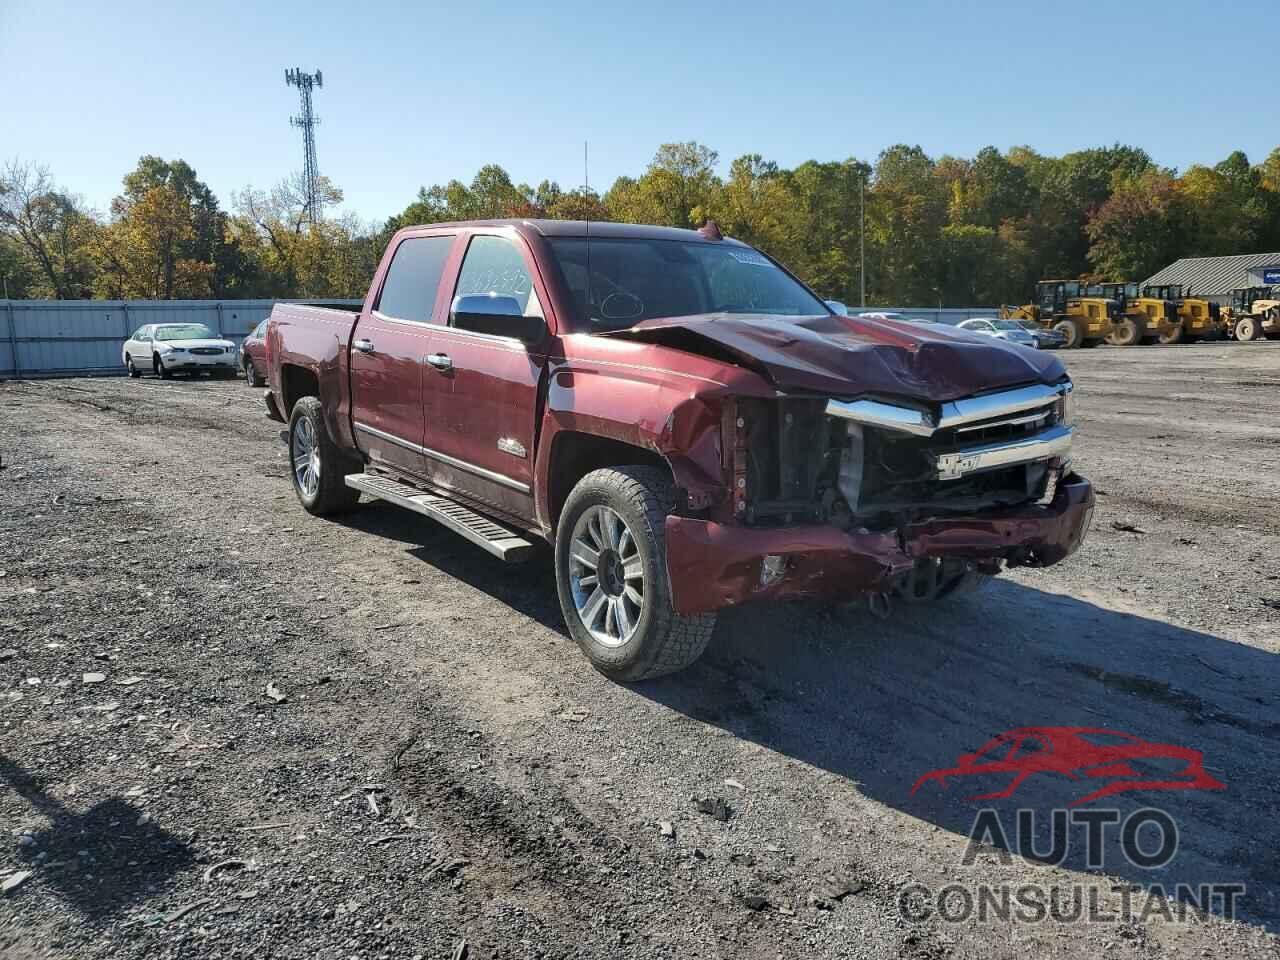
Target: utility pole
{"x": 862, "y": 239}
{"x": 306, "y": 121}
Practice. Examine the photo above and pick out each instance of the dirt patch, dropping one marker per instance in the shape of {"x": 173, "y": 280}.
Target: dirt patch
{"x": 442, "y": 766}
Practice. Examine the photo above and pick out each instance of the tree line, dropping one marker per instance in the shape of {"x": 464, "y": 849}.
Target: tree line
{"x": 949, "y": 231}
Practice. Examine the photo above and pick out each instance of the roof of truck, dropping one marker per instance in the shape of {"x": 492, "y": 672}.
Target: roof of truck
{"x": 595, "y": 228}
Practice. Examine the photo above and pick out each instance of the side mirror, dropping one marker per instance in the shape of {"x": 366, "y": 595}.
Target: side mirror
{"x": 497, "y": 315}
{"x": 837, "y": 307}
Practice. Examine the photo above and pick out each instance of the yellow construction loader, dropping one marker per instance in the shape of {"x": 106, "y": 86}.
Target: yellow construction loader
{"x": 1142, "y": 319}
{"x": 1201, "y": 318}
{"x": 1062, "y": 305}
{"x": 1254, "y": 313}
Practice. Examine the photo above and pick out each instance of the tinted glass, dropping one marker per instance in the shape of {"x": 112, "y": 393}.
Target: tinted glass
{"x": 493, "y": 265}
{"x": 409, "y": 292}
{"x": 634, "y": 280}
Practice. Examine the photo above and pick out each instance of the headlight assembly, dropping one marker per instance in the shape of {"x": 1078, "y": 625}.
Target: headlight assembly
{"x": 1067, "y": 406}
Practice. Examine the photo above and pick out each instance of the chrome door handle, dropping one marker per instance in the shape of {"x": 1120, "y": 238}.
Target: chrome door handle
{"x": 440, "y": 361}
{"x": 364, "y": 346}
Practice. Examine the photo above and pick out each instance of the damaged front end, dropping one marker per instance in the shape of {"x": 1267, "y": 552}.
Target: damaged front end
{"x": 842, "y": 498}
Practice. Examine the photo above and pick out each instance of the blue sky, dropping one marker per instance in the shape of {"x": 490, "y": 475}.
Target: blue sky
{"x": 421, "y": 93}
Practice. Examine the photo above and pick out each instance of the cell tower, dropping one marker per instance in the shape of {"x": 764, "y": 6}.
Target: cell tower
{"x": 307, "y": 122}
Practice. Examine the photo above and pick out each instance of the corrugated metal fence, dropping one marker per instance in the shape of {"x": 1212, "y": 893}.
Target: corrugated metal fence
{"x": 50, "y": 338}
{"x": 43, "y": 338}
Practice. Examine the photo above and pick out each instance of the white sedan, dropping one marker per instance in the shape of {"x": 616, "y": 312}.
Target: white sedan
{"x": 1008, "y": 330}
{"x": 169, "y": 348}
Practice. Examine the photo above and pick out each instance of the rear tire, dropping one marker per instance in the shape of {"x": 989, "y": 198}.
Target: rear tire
{"x": 1248, "y": 328}
{"x": 658, "y": 640}
{"x": 316, "y": 464}
{"x": 1127, "y": 332}
{"x": 1173, "y": 335}
{"x": 133, "y": 370}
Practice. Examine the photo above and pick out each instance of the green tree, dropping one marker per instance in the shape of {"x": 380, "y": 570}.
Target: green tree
{"x": 1135, "y": 231}
{"x": 48, "y": 233}
{"x": 678, "y": 189}
{"x": 905, "y": 217}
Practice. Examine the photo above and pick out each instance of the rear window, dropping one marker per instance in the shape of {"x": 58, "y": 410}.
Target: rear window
{"x": 409, "y": 291}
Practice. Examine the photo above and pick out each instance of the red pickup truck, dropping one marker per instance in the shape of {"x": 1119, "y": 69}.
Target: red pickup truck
{"x": 684, "y": 421}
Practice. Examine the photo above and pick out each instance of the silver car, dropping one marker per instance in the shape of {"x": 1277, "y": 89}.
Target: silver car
{"x": 1008, "y": 330}
{"x": 169, "y": 348}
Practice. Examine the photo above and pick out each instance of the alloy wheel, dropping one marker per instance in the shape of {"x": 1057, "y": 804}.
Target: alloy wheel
{"x": 606, "y": 576}
{"x": 306, "y": 458}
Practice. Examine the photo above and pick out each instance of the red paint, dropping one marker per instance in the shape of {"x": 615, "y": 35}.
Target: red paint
{"x": 631, "y": 388}
{"x": 253, "y": 349}
{"x": 1091, "y": 753}
{"x": 715, "y": 565}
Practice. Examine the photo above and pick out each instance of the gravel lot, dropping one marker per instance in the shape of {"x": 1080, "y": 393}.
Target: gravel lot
{"x": 443, "y": 768}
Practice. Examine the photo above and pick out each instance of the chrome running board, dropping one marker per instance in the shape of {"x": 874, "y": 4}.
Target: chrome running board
{"x": 483, "y": 532}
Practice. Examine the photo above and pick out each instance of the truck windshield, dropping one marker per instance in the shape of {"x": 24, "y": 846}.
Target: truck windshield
{"x": 635, "y": 280}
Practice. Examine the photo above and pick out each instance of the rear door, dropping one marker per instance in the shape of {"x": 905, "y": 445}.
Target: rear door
{"x": 388, "y": 350}
{"x": 482, "y": 387}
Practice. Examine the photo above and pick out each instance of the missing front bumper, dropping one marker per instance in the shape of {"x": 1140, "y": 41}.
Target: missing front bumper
{"x": 714, "y": 565}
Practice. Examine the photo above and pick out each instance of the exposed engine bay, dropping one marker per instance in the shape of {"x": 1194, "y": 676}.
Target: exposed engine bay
{"x": 805, "y": 460}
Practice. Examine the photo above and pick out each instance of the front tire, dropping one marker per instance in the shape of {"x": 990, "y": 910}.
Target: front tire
{"x": 1072, "y": 333}
{"x": 316, "y": 464}
{"x": 163, "y": 372}
{"x": 611, "y": 575}
{"x": 251, "y": 374}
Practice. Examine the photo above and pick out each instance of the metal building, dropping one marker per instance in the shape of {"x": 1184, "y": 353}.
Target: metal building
{"x": 1215, "y": 277}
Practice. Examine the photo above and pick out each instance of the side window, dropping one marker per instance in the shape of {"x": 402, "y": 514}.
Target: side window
{"x": 137, "y": 334}
{"x": 409, "y": 292}
{"x": 261, "y": 330}
{"x": 493, "y": 265}
{"x": 145, "y": 333}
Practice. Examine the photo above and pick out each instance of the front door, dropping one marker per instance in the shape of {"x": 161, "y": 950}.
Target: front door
{"x": 482, "y": 387}
{"x": 388, "y": 350}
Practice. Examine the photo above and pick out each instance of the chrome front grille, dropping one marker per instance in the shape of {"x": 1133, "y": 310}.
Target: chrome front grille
{"x": 206, "y": 351}
{"x": 972, "y": 435}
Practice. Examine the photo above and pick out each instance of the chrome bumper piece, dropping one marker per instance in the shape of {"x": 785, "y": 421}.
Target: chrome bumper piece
{"x": 1046, "y": 445}
{"x": 924, "y": 423}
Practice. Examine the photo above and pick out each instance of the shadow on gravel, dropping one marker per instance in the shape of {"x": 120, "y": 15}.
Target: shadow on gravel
{"x": 881, "y": 703}
{"x": 101, "y": 861}
{"x": 528, "y": 587}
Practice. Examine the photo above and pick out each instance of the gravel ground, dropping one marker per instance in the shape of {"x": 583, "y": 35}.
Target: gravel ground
{"x": 228, "y": 729}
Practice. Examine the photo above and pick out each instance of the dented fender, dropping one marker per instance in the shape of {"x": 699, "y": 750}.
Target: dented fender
{"x": 613, "y": 389}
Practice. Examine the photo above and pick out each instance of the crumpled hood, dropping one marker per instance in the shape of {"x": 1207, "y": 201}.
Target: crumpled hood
{"x": 849, "y": 356}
